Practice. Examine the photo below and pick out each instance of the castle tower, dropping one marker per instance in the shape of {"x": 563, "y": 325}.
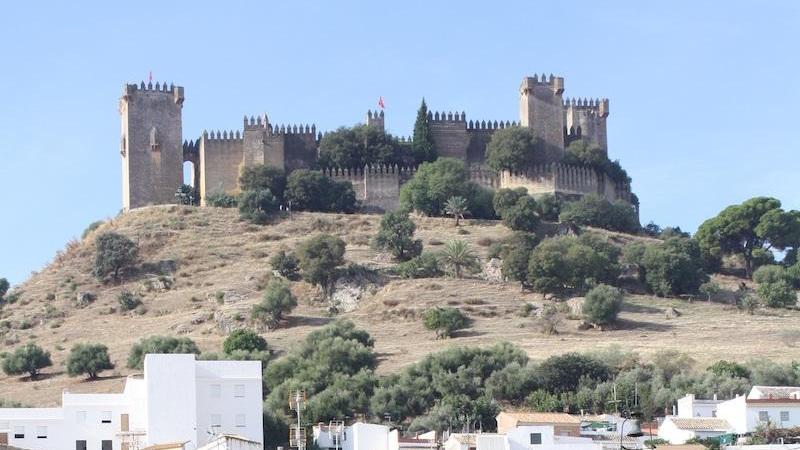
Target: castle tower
{"x": 541, "y": 109}
{"x": 151, "y": 145}
{"x": 375, "y": 119}
{"x": 586, "y": 119}
{"x": 255, "y": 135}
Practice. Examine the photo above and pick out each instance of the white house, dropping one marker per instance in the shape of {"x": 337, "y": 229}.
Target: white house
{"x": 368, "y": 436}
{"x": 177, "y": 400}
{"x": 677, "y": 430}
{"x": 690, "y": 406}
{"x": 778, "y": 405}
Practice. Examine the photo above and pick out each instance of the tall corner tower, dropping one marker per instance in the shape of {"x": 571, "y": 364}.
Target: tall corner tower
{"x": 541, "y": 109}
{"x": 151, "y": 144}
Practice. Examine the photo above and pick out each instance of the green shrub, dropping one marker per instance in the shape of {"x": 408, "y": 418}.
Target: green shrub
{"x": 770, "y": 274}
{"x": 361, "y": 145}
{"x": 777, "y": 294}
{"x": 260, "y": 177}
{"x": 30, "y": 359}
{"x": 602, "y": 305}
{"x": 276, "y": 302}
{"x": 89, "y": 359}
{"x": 522, "y": 216}
{"x": 244, "y": 339}
{"x": 444, "y": 321}
{"x": 4, "y": 286}
{"x": 396, "y": 234}
{"x": 593, "y": 210}
{"x": 257, "y": 206}
{"x": 507, "y": 198}
{"x": 514, "y": 148}
{"x": 549, "y": 207}
{"x": 673, "y": 267}
{"x": 308, "y": 190}
{"x": 566, "y": 263}
{"x": 709, "y": 289}
{"x": 286, "y": 264}
{"x": 159, "y": 344}
{"x": 114, "y": 252}
{"x": 221, "y": 200}
{"x": 434, "y": 183}
{"x": 128, "y": 301}
{"x": 319, "y": 258}
{"x": 457, "y": 257}
{"x": 425, "y": 265}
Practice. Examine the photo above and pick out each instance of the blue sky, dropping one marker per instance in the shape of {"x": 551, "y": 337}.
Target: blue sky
{"x": 704, "y": 95}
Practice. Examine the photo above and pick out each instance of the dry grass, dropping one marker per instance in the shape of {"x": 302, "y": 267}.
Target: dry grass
{"x": 222, "y": 266}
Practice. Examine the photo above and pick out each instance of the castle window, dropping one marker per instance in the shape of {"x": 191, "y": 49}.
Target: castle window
{"x": 106, "y": 445}
{"x": 536, "y": 438}
{"x": 19, "y": 432}
{"x": 154, "y": 146}
{"x": 41, "y": 432}
{"x": 105, "y": 417}
{"x": 80, "y": 444}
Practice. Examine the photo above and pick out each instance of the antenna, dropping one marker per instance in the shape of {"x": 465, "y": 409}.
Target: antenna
{"x": 297, "y": 434}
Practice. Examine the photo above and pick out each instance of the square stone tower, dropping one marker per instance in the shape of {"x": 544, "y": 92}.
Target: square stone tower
{"x": 151, "y": 144}
{"x": 541, "y": 109}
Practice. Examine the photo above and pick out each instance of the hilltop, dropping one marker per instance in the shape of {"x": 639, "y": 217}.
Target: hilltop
{"x": 203, "y": 268}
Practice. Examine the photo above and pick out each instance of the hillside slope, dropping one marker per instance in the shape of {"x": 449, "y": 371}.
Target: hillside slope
{"x": 216, "y": 265}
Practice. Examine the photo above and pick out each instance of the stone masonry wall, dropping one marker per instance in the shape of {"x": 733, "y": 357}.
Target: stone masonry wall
{"x": 151, "y": 144}
{"x": 221, "y": 156}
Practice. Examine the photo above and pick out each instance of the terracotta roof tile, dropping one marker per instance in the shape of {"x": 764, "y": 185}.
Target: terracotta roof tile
{"x": 701, "y": 423}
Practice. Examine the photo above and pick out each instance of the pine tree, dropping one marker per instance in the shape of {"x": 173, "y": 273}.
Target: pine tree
{"x": 424, "y": 149}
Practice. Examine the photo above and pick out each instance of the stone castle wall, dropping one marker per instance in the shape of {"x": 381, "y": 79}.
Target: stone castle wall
{"x": 153, "y": 156}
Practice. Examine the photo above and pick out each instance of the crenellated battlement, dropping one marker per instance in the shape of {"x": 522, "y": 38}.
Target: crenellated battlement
{"x": 447, "y": 116}
{"x": 302, "y": 129}
{"x": 489, "y": 125}
{"x": 595, "y": 106}
{"x": 222, "y": 136}
{"x": 259, "y": 122}
{"x": 554, "y": 83}
{"x": 151, "y": 147}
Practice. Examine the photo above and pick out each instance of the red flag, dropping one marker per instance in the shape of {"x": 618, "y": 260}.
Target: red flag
{"x": 380, "y": 102}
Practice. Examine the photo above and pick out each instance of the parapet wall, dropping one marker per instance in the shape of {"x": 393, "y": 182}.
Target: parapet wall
{"x": 221, "y": 155}
{"x": 377, "y": 187}
{"x": 566, "y": 180}
{"x": 454, "y": 137}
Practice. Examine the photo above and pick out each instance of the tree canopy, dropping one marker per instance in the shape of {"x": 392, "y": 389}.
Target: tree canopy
{"x": 514, "y": 148}
{"x": 756, "y": 224}
{"x": 89, "y": 359}
{"x": 309, "y": 190}
{"x": 319, "y": 258}
{"x": 113, "y": 253}
{"x": 159, "y": 344}
{"x": 424, "y": 149}
{"x": 396, "y": 234}
{"x": 259, "y": 177}
{"x": 361, "y": 145}
{"x": 436, "y": 182}
{"x": 29, "y": 358}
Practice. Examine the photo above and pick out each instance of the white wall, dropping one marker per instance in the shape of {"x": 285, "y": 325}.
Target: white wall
{"x": 171, "y": 399}
{"x": 672, "y": 434}
{"x": 519, "y": 438}
{"x": 689, "y": 406}
{"x": 367, "y": 436}
{"x": 229, "y": 378}
{"x": 733, "y": 411}
{"x": 774, "y": 411}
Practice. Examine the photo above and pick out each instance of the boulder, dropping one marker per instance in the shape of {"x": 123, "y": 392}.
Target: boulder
{"x": 84, "y": 299}
{"x": 493, "y": 270}
{"x": 671, "y": 313}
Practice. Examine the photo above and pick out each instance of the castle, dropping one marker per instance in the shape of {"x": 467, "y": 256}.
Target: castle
{"x": 153, "y": 150}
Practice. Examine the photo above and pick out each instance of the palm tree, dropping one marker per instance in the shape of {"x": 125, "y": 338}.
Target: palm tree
{"x": 457, "y": 256}
{"x": 456, "y": 206}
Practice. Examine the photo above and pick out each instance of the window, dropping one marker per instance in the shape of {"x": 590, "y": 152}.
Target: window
{"x": 80, "y": 417}
{"x": 19, "y": 432}
{"x": 714, "y": 413}
{"x": 215, "y": 391}
{"x": 536, "y": 438}
{"x": 105, "y": 417}
{"x": 240, "y": 420}
{"x": 763, "y": 416}
{"x": 80, "y": 445}
{"x": 238, "y": 390}
{"x": 784, "y": 416}
{"x": 216, "y": 420}
{"x": 106, "y": 445}
{"x": 41, "y": 432}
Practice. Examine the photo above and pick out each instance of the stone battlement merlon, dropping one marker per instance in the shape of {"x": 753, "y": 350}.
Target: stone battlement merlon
{"x": 556, "y": 84}
{"x": 490, "y": 125}
{"x": 294, "y": 129}
{"x": 222, "y": 136}
{"x": 447, "y": 116}
{"x": 131, "y": 89}
{"x": 260, "y": 121}
{"x": 597, "y": 106}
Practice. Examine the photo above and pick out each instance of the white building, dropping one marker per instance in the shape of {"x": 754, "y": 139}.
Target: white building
{"x": 677, "y": 430}
{"x": 177, "y": 400}
{"x": 778, "y": 405}
{"x": 368, "y": 436}
{"x": 690, "y": 406}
